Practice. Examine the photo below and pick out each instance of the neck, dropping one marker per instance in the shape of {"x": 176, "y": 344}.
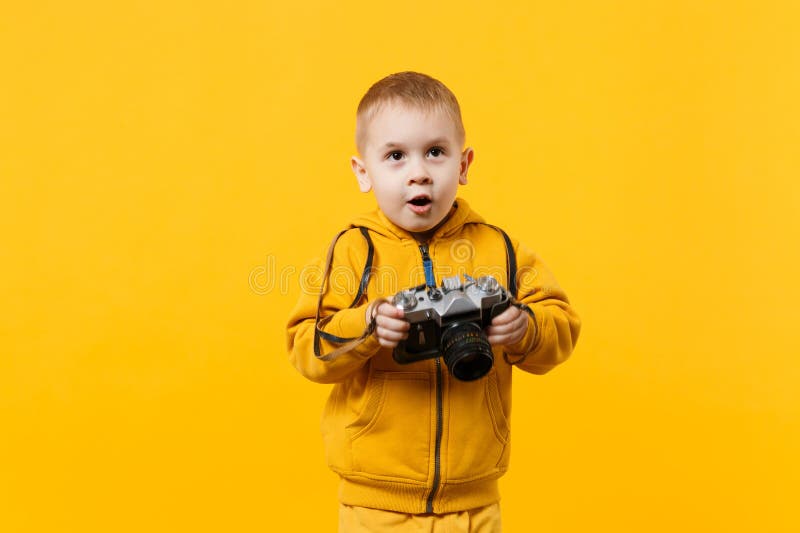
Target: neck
{"x": 425, "y": 236}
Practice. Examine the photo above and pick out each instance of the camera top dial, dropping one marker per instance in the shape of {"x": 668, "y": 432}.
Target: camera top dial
{"x": 405, "y": 300}
{"x": 487, "y": 284}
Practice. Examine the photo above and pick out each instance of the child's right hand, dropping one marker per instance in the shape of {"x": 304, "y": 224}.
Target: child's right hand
{"x": 390, "y": 327}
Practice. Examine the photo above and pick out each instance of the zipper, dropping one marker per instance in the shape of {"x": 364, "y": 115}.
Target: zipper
{"x": 437, "y": 459}
{"x": 430, "y": 281}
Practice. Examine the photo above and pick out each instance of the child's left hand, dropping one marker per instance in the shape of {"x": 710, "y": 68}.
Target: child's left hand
{"x": 508, "y": 327}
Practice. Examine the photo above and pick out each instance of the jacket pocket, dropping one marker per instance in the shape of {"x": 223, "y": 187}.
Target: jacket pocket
{"x": 478, "y": 442}
{"x": 392, "y": 435}
{"x": 333, "y": 416}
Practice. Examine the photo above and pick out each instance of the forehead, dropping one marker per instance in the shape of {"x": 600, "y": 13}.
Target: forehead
{"x": 397, "y": 123}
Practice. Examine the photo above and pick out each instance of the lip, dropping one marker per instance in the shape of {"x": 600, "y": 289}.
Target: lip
{"x": 420, "y": 209}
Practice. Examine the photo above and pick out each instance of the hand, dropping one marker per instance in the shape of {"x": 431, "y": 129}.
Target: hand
{"x": 508, "y": 327}
{"x": 390, "y": 327}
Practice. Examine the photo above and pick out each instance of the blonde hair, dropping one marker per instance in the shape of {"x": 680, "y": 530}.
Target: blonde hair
{"x": 412, "y": 89}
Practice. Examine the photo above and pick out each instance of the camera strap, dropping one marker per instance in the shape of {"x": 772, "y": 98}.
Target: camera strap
{"x": 511, "y": 261}
{"x": 511, "y": 277}
{"x": 347, "y": 343}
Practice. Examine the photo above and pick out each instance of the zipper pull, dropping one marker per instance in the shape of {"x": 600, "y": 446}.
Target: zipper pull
{"x": 430, "y": 280}
{"x": 423, "y": 248}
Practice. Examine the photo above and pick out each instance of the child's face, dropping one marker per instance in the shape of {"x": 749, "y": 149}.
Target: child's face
{"x": 413, "y": 162}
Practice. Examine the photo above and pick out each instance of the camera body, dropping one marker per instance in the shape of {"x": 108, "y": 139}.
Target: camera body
{"x": 449, "y": 321}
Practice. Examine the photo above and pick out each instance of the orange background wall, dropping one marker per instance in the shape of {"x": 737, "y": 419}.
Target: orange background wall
{"x": 165, "y": 165}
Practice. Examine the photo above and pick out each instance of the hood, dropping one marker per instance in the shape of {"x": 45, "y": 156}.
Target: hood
{"x": 377, "y": 222}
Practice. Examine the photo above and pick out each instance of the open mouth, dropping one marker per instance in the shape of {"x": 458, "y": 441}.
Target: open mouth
{"x": 420, "y": 205}
{"x": 420, "y": 201}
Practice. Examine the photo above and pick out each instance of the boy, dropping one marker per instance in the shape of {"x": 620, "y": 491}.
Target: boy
{"x": 413, "y": 445}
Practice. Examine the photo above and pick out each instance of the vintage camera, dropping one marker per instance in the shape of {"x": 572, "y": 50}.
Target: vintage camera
{"x": 449, "y": 321}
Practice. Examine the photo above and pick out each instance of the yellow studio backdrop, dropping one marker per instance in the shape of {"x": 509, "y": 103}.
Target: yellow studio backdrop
{"x": 168, "y": 168}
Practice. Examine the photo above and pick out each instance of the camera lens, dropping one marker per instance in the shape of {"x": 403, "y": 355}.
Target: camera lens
{"x": 466, "y": 351}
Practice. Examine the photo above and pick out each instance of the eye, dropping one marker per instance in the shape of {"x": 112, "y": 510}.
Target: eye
{"x": 395, "y": 156}
{"x": 436, "y": 152}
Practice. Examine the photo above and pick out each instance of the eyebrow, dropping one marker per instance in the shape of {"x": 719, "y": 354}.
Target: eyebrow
{"x": 392, "y": 144}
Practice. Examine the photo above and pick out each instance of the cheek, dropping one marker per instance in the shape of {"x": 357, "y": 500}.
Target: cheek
{"x": 450, "y": 182}
{"x": 387, "y": 192}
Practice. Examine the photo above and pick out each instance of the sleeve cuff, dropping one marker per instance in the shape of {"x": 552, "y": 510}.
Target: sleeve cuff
{"x": 351, "y": 323}
{"x": 527, "y": 344}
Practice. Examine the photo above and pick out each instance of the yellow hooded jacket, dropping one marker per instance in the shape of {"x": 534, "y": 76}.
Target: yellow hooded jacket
{"x": 411, "y": 438}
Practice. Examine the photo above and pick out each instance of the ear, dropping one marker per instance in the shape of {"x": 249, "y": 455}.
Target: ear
{"x": 364, "y": 183}
{"x": 466, "y": 161}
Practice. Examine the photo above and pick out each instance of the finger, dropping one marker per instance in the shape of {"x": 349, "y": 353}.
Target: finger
{"x": 507, "y": 316}
{"x": 499, "y": 339}
{"x": 392, "y": 323}
{"x": 496, "y": 340}
{"x": 505, "y": 340}
{"x": 390, "y": 335}
{"x": 387, "y": 309}
{"x": 507, "y": 335}
{"x": 387, "y": 343}
{"x": 503, "y": 329}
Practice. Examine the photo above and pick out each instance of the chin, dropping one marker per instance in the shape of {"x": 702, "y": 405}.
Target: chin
{"x": 415, "y": 224}
{"x": 413, "y": 228}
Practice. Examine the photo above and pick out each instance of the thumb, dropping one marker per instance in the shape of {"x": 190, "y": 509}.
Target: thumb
{"x": 391, "y": 310}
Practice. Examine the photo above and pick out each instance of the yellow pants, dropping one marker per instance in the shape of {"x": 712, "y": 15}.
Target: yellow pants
{"x": 364, "y": 520}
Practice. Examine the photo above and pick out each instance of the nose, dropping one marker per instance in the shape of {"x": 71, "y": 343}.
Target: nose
{"x": 418, "y": 174}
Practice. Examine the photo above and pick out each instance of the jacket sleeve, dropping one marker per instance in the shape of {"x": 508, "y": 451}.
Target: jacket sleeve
{"x": 553, "y": 325}
{"x": 340, "y": 289}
